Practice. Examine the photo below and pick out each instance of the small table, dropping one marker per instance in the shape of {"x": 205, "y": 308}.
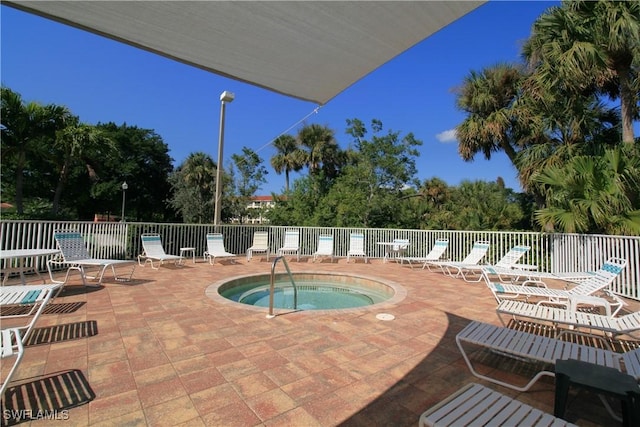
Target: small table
{"x": 599, "y": 379}
{"x": 21, "y": 255}
{"x": 183, "y": 251}
{"x": 393, "y": 245}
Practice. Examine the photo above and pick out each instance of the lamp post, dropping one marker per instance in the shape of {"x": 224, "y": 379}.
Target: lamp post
{"x": 225, "y": 97}
{"x": 124, "y": 188}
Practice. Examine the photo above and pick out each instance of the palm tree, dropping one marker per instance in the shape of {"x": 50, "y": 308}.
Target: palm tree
{"x": 488, "y": 98}
{"x": 590, "y": 45}
{"x": 322, "y": 152}
{"x": 288, "y": 158}
{"x": 27, "y": 129}
{"x": 597, "y": 194}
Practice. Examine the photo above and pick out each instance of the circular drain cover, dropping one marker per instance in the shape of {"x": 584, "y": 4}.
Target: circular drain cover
{"x": 385, "y": 316}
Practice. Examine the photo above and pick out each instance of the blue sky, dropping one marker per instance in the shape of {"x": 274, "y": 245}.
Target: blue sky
{"x": 101, "y": 80}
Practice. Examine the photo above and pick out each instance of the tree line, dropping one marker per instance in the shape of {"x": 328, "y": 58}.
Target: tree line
{"x": 576, "y": 156}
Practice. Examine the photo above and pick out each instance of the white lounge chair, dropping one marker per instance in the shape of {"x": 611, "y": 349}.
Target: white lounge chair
{"x": 479, "y": 405}
{"x": 325, "y": 247}
{"x": 154, "y": 251}
{"x": 33, "y": 297}
{"x": 535, "y": 289}
{"x": 508, "y": 260}
{"x": 435, "y": 254}
{"x": 356, "y": 246}
{"x": 536, "y": 348}
{"x": 75, "y": 256}
{"x": 260, "y": 244}
{"x": 10, "y": 346}
{"x": 461, "y": 268}
{"x": 571, "y": 319}
{"x": 215, "y": 248}
{"x": 291, "y": 243}
{"x": 512, "y": 275}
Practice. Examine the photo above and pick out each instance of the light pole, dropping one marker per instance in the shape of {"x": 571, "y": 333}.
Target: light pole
{"x": 124, "y": 188}
{"x": 225, "y": 97}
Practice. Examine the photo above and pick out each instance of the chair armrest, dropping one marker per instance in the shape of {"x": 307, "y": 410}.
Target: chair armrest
{"x": 533, "y": 282}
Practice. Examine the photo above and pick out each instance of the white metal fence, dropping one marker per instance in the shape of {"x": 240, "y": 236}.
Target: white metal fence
{"x": 550, "y": 252}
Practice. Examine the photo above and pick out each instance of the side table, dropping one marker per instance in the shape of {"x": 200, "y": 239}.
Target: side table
{"x": 601, "y": 380}
{"x": 184, "y": 251}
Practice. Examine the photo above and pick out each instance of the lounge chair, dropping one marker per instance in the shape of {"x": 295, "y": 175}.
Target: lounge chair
{"x": 513, "y": 275}
{"x": 32, "y": 298}
{"x": 461, "y": 268}
{"x": 535, "y": 289}
{"x": 435, "y": 254}
{"x": 356, "y": 246}
{"x": 325, "y": 247}
{"x": 508, "y": 260}
{"x": 154, "y": 251}
{"x": 75, "y": 256}
{"x": 536, "y": 348}
{"x": 215, "y": 248}
{"x": 260, "y": 244}
{"x": 479, "y": 405}
{"x": 10, "y": 346}
{"x": 291, "y": 243}
{"x": 571, "y": 319}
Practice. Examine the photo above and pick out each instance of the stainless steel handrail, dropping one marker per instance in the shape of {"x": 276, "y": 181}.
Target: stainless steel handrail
{"x": 273, "y": 282}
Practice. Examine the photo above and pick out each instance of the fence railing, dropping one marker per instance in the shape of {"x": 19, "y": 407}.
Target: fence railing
{"x": 550, "y": 252}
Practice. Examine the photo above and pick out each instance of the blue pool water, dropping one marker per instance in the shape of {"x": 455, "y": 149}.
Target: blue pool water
{"x": 315, "y": 292}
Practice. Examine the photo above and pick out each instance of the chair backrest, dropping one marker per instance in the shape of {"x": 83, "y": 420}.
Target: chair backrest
{"x": 400, "y": 244}
{"x": 152, "y": 245}
{"x": 260, "y": 240}
{"x": 71, "y": 245}
{"x": 602, "y": 278}
{"x": 513, "y": 256}
{"x": 325, "y": 244}
{"x": 291, "y": 239}
{"x": 356, "y": 242}
{"x": 215, "y": 243}
{"x": 438, "y": 249}
{"x": 478, "y": 251}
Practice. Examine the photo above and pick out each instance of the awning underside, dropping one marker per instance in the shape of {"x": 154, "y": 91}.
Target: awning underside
{"x": 308, "y": 49}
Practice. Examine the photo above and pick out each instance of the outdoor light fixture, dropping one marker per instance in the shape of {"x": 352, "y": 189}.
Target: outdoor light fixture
{"x": 124, "y": 188}
{"x": 225, "y": 97}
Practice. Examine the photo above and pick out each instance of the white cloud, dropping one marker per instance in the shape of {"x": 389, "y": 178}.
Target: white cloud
{"x": 447, "y": 136}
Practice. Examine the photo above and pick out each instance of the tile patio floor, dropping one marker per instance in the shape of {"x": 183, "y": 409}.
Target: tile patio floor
{"x": 158, "y": 351}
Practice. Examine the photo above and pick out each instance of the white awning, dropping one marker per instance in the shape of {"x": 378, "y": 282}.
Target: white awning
{"x": 311, "y": 50}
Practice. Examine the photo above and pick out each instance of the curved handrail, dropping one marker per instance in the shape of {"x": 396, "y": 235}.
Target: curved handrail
{"x": 272, "y": 285}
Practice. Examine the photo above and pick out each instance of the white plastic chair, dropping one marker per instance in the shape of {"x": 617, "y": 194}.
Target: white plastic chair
{"x": 154, "y": 251}
{"x": 215, "y": 248}
{"x": 325, "y": 247}
{"x": 291, "y": 243}
{"x": 435, "y": 254}
{"x": 260, "y": 244}
{"x": 356, "y": 246}
{"x": 10, "y": 346}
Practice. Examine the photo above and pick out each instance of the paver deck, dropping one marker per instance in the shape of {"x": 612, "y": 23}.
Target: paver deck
{"x": 158, "y": 351}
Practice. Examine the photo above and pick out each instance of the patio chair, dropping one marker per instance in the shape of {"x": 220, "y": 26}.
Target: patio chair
{"x": 536, "y": 289}
{"x": 475, "y": 403}
{"x": 435, "y": 254}
{"x": 154, "y": 251}
{"x": 215, "y": 248}
{"x": 325, "y": 247}
{"x": 10, "y": 346}
{"x": 76, "y": 257}
{"x": 457, "y": 268}
{"x": 508, "y": 260}
{"x": 291, "y": 243}
{"x": 514, "y": 275}
{"x": 26, "y": 301}
{"x": 525, "y": 346}
{"x": 260, "y": 244}
{"x": 571, "y": 320}
{"x": 356, "y": 246}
